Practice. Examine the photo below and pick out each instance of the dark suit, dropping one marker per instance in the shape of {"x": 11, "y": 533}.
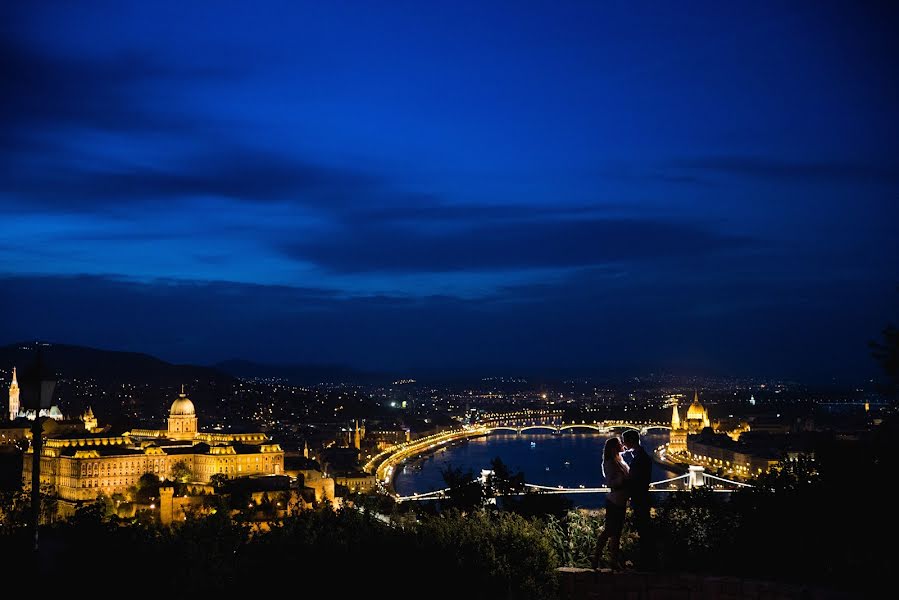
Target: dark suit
{"x": 638, "y": 483}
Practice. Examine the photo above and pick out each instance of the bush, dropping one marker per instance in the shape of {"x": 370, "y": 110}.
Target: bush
{"x": 695, "y": 531}
{"x": 496, "y": 554}
{"x": 573, "y": 537}
{"x": 479, "y": 555}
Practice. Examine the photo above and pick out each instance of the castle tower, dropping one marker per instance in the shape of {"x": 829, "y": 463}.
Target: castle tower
{"x": 182, "y": 418}
{"x": 357, "y": 437}
{"x": 13, "y": 397}
{"x": 305, "y": 449}
{"x": 166, "y": 504}
{"x": 90, "y": 421}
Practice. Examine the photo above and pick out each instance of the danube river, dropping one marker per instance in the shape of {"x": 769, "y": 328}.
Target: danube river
{"x": 570, "y": 460}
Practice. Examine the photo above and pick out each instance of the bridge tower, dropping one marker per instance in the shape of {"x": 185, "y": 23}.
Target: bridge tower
{"x": 697, "y": 476}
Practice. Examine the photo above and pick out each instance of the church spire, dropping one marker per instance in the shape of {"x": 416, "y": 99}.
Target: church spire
{"x": 13, "y": 397}
{"x": 695, "y": 396}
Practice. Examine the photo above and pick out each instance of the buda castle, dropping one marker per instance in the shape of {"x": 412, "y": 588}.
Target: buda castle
{"x": 81, "y": 466}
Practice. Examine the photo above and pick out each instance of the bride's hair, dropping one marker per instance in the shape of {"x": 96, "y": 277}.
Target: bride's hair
{"x": 612, "y": 448}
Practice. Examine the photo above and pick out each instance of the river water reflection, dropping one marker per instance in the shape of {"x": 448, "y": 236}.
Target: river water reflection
{"x": 569, "y": 459}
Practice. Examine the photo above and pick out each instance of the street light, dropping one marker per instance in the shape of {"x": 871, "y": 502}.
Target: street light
{"x": 38, "y": 384}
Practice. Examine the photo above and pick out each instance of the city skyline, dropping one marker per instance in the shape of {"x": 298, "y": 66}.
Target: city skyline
{"x": 483, "y": 187}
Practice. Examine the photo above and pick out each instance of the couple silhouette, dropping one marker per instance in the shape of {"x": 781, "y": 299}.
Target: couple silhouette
{"x": 626, "y": 482}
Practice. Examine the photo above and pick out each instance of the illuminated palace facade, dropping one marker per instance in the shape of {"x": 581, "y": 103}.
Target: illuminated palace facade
{"x": 82, "y": 466}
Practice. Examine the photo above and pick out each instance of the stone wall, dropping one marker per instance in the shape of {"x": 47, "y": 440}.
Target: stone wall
{"x": 584, "y": 584}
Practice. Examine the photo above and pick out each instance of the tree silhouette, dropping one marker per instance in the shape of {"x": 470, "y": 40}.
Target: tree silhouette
{"x": 887, "y": 352}
{"x": 465, "y": 492}
{"x": 502, "y": 481}
{"x": 181, "y": 472}
{"x": 147, "y": 488}
{"x": 218, "y": 481}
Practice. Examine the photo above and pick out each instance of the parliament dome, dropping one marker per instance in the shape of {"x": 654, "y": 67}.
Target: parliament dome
{"x": 182, "y": 406}
{"x": 696, "y": 410}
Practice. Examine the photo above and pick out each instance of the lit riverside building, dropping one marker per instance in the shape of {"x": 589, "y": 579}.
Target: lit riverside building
{"x": 691, "y": 440}
{"x": 81, "y": 466}
{"x": 697, "y": 420}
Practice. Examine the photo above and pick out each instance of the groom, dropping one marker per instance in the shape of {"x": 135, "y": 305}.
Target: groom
{"x": 638, "y": 484}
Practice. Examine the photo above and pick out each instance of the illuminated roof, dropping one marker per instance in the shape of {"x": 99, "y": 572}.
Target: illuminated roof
{"x": 182, "y": 406}
{"x": 696, "y": 411}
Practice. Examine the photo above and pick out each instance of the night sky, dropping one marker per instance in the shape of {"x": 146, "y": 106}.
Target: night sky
{"x": 504, "y": 187}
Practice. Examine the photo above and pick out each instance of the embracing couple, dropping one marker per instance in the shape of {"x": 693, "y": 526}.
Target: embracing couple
{"x": 626, "y": 481}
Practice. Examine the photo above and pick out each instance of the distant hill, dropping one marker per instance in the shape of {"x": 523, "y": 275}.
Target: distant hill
{"x": 299, "y": 374}
{"x": 109, "y": 366}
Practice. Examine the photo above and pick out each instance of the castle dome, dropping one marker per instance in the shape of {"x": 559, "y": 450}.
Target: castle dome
{"x": 182, "y": 406}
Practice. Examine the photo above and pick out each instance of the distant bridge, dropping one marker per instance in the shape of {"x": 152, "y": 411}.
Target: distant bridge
{"x": 552, "y": 421}
{"x": 600, "y": 427}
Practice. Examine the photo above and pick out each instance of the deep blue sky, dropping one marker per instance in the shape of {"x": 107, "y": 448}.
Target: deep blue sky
{"x": 702, "y": 187}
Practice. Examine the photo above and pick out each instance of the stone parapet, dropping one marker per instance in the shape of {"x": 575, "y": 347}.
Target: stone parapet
{"x": 583, "y": 584}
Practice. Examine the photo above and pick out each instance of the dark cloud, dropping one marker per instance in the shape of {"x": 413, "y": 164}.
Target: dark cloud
{"x": 50, "y": 101}
{"x": 586, "y": 323}
{"x": 228, "y": 172}
{"x": 354, "y": 198}
{"x": 42, "y": 91}
{"x": 513, "y": 244}
{"x": 775, "y": 169}
{"x": 46, "y": 95}
{"x": 424, "y": 209}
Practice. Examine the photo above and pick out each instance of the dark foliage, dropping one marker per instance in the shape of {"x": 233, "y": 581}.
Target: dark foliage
{"x": 465, "y": 492}
{"x": 147, "y": 488}
{"x": 886, "y": 352}
{"x": 823, "y": 520}
{"x": 483, "y": 555}
{"x": 536, "y": 504}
